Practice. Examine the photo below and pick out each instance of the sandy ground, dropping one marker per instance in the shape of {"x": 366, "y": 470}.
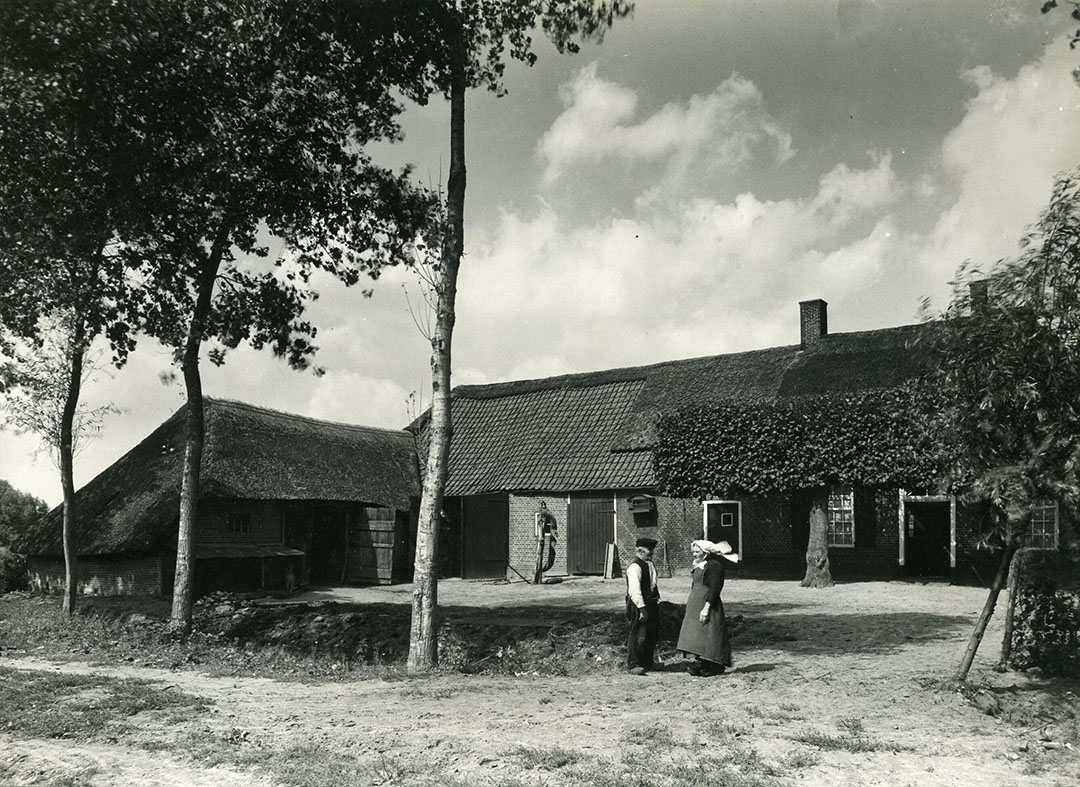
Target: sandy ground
{"x": 872, "y": 655}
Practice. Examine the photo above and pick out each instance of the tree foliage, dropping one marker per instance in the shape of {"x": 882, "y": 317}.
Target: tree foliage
{"x": 872, "y": 438}
{"x": 18, "y": 512}
{"x": 36, "y": 402}
{"x": 1008, "y": 353}
{"x": 236, "y": 133}
{"x": 64, "y": 190}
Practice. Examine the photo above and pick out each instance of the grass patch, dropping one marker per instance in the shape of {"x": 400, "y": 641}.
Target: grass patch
{"x": 720, "y": 731}
{"x": 800, "y": 758}
{"x": 785, "y": 712}
{"x": 543, "y": 758}
{"x": 53, "y": 777}
{"x": 856, "y": 744}
{"x": 656, "y": 736}
{"x": 49, "y": 705}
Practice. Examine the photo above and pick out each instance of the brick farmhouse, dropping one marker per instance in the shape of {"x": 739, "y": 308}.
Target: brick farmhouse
{"x": 582, "y": 443}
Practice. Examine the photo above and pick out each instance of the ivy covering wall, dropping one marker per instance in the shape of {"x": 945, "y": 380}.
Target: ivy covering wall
{"x": 872, "y": 438}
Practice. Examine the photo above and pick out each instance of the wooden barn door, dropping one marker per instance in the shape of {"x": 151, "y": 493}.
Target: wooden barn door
{"x": 370, "y": 548}
{"x": 590, "y": 527}
{"x": 485, "y": 536}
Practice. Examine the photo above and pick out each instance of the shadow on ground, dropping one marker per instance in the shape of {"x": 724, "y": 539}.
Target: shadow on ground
{"x": 549, "y": 639}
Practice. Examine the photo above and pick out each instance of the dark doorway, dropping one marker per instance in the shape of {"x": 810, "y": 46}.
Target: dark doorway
{"x": 329, "y": 531}
{"x": 590, "y": 527}
{"x": 722, "y": 523}
{"x": 485, "y": 536}
{"x": 927, "y": 536}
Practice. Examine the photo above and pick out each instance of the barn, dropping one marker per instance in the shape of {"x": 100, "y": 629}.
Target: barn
{"x": 286, "y": 501}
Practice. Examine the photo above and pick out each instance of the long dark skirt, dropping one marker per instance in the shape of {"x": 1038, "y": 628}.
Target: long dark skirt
{"x": 710, "y": 641}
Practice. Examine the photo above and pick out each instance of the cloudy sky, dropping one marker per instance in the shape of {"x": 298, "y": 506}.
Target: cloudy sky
{"x": 674, "y": 192}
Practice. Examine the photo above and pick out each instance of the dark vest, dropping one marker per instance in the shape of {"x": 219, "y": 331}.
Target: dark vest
{"x": 649, "y": 592}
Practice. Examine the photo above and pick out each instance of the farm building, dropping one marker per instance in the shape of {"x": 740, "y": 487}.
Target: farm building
{"x": 286, "y": 501}
{"x": 582, "y": 444}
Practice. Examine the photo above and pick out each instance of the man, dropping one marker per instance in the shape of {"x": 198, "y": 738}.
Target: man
{"x": 642, "y": 607}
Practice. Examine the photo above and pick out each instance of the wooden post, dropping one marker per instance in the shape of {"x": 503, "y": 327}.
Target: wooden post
{"x": 538, "y": 571}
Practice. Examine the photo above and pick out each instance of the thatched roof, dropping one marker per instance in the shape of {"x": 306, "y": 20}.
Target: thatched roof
{"x": 250, "y": 453}
{"x": 593, "y": 431}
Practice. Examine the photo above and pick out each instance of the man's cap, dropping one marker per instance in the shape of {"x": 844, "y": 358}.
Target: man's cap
{"x": 648, "y": 543}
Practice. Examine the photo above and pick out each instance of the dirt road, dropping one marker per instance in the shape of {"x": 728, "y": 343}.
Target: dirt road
{"x": 835, "y": 686}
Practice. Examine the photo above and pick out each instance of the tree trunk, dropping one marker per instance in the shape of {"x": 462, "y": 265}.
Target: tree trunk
{"x": 988, "y": 610}
{"x": 423, "y": 633}
{"x": 183, "y": 584}
{"x": 1010, "y": 614}
{"x": 67, "y": 466}
{"x": 817, "y": 548}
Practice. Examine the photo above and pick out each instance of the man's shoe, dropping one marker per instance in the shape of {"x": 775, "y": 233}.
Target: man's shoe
{"x": 694, "y": 669}
{"x": 637, "y": 670}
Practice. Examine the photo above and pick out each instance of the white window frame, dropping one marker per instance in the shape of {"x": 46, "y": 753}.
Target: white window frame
{"x": 836, "y": 492}
{"x": 705, "y": 519}
{"x": 901, "y": 518}
{"x": 1055, "y": 524}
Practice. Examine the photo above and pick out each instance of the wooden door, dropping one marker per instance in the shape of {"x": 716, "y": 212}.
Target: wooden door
{"x": 590, "y": 527}
{"x": 722, "y": 522}
{"x": 485, "y": 536}
{"x": 370, "y": 547}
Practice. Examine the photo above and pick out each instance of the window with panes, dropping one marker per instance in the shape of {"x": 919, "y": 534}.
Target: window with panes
{"x": 841, "y": 516}
{"x": 1042, "y": 532}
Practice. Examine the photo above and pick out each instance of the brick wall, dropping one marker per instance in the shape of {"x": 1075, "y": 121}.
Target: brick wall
{"x": 877, "y": 540}
{"x": 975, "y": 564}
{"x": 676, "y": 523}
{"x": 768, "y": 548}
{"x": 101, "y": 576}
{"x": 523, "y": 507}
{"x": 213, "y": 527}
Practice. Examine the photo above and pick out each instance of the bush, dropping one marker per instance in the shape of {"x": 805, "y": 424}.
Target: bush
{"x": 1046, "y": 633}
{"x": 12, "y": 571}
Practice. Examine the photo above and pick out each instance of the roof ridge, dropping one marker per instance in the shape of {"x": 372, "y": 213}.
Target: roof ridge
{"x": 246, "y": 406}
{"x": 618, "y": 374}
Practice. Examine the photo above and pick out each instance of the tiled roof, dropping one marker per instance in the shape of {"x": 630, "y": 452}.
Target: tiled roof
{"x": 250, "y": 453}
{"x": 557, "y": 438}
{"x": 593, "y": 431}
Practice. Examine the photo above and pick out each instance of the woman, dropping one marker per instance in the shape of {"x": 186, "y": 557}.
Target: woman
{"x": 704, "y": 632}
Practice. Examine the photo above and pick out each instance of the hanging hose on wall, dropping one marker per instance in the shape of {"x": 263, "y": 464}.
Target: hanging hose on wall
{"x": 546, "y": 532}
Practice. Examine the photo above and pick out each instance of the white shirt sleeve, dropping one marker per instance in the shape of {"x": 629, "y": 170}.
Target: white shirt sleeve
{"x": 633, "y": 585}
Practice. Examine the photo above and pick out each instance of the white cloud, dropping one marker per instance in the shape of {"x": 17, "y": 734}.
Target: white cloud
{"x": 1000, "y": 161}
{"x": 707, "y": 135}
{"x": 704, "y": 278}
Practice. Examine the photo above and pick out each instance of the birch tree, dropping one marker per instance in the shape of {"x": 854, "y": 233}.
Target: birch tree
{"x": 469, "y": 46}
